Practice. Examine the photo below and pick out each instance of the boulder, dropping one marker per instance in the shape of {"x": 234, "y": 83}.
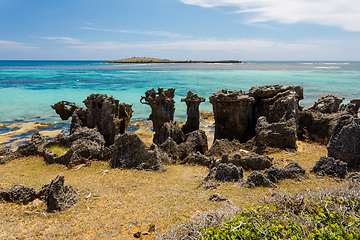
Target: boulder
{"x": 353, "y": 177}
{"x": 60, "y": 197}
{"x": 171, "y": 148}
{"x": 130, "y": 152}
{"x": 162, "y": 107}
{"x": 256, "y": 179}
{"x": 252, "y": 161}
{"x": 199, "y": 159}
{"x": 223, "y": 146}
{"x": 192, "y": 101}
{"x": 225, "y": 173}
{"x": 291, "y": 171}
{"x": 217, "y": 198}
{"x": 233, "y": 114}
{"x": 327, "y": 104}
{"x": 281, "y": 134}
{"x": 169, "y": 130}
{"x": 33, "y": 147}
{"x": 18, "y": 194}
{"x": 195, "y": 141}
{"x": 331, "y": 167}
{"x": 345, "y": 141}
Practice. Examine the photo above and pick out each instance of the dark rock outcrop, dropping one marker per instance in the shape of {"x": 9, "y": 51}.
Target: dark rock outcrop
{"x": 331, "y": 167}
{"x": 18, "y": 194}
{"x": 169, "y": 130}
{"x": 162, "y": 107}
{"x": 276, "y": 102}
{"x": 171, "y": 148}
{"x": 192, "y": 101}
{"x": 252, "y": 161}
{"x": 345, "y": 141}
{"x": 195, "y": 141}
{"x": 256, "y": 179}
{"x": 33, "y": 147}
{"x": 280, "y": 134}
{"x": 327, "y": 104}
{"x": 131, "y": 152}
{"x": 233, "y": 113}
{"x": 199, "y": 159}
{"x": 225, "y": 173}
{"x": 60, "y": 197}
{"x": 217, "y": 198}
{"x": 64, "y": 111}
{"x": 291, "y": 171}
{"x": 353, "y": 177}
{"x": 102, "y": 111}
{"x": 223, "y": 146}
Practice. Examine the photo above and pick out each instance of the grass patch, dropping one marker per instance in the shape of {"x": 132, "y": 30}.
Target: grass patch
{"x": 59, "y": 150}
{"x": 117, "y": 203}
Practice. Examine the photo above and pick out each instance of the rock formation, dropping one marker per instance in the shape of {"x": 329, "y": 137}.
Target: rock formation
{"x": 256, "y": 179}
{"x": 57, "y": 196}
{"x": 291, "y": 171}
{"x": 195, "y": 141}
{"x": 102, "y": 111}
{"x": 162, "y": 107}
{"x": 223, "y": 146}
{"x": 233, "y": 113}
{"x": 130, "y": 152}
{"x": 252, "y": 161}
{"x": 192, "y": 101}
{"x": 345, "y": 140}
{"x": 225, "y": 173}
{"x": 331, "y": 167}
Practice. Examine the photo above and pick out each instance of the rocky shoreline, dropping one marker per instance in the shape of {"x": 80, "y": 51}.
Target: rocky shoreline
{"x": 247, "y": 126}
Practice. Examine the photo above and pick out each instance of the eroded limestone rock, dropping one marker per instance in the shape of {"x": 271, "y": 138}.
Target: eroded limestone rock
{"x": 252, "y": 161}
{"x": 199, "y": 159}
{"x": 331, "y": 167}
{"x": 291, "y": 171}
{"x": 233, "y": 113}
{"x": 195, "y": 141}
{"x": 162, "y": 107}
{"x": 256, "y": 179}
{"x": 131, "y": 152}
{"x": 192, "y": 101}
{"x": 345, "y": 141}
{"x": 225, "y": 173}
{"x": 223, "y": 146}
{"x": 18, "y": 194}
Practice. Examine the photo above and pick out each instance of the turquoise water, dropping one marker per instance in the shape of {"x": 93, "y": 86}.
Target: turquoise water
{"x": 27, "y": 88}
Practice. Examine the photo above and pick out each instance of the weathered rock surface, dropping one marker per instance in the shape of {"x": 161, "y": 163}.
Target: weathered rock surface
{"x": 60, "y": 197}
{"x": 276, "y": 102}
{"x": 162, "y": 107}
{"x": 102, "y": 111}
{"x": 233, "y": 113}
{"x": 291, "y": 171}
{"x": 171, "y": 148}
{"x": 256, "y": 179}
{"x": 169, "y": 130}
{"x": 64, "y": 111}
{"x": 192, "y": 101}
{"x": 280, "y": 134}
{"x": 225, "y": 173}
{"x": 217, "y": 198}
{"x": 131, "y": 152}
{"x": 345, "y": 141}
{"x": 195, "y": 141}
{"x": 223, "y": 146}
{"x": 86, "y": 144}
{"x": 252, "y": 161}
{"x": 18, "y": 194}
{"x": 199, "y": 159}
{"x": 331, "y": 167}
{"x": 353, "y": 177}
{"x": 33, "y": 147}
{"x": 327, "y": 104}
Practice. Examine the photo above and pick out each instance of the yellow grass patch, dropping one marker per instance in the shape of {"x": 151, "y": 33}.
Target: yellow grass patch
{"x": 117, "y": 203}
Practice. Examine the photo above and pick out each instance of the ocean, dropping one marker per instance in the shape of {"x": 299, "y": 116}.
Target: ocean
{"x": 28, "y": 88}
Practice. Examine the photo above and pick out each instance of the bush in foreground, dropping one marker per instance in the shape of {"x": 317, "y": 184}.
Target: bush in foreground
{"x": 325, "y": 214}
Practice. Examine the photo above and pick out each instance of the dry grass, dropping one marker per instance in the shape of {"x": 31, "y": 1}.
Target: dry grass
{"x": 117, "y": 203}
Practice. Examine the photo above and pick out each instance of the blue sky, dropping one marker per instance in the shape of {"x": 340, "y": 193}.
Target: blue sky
{"x": 180, "y": 29}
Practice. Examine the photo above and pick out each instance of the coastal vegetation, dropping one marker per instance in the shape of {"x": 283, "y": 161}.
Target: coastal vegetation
{"x": 117, "y": 203}
{"x": 157, "y": 60}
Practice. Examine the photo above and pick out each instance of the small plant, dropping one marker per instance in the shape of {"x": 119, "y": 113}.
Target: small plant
{"x": 58, "y": 149}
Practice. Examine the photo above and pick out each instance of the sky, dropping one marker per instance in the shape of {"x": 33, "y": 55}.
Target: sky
{"x": 245, "y": 30}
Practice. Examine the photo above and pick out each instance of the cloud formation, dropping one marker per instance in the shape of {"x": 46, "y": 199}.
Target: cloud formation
{"x": 153, "y": 33}
{"x": 340, "y": 13}
{"x": 14, "y": 46}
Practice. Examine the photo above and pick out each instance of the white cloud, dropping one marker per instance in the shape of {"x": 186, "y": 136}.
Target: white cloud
{"x": 341, "y": 13}
{"x": 153, "y": 33}
{"x": 14, "y": 46}
{"x": 64, "y": 40}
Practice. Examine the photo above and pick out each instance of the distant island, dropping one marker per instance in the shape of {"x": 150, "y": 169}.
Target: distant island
{"x": 157, "y": 60}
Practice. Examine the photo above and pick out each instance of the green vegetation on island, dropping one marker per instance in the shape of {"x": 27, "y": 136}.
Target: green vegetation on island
{"x": 157, "y": 60}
